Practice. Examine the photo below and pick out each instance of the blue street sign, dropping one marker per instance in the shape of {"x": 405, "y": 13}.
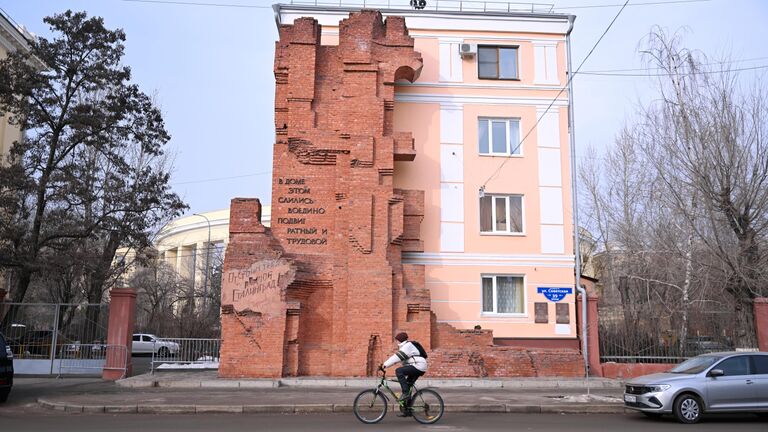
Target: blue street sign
{"x": 554, "y": 294}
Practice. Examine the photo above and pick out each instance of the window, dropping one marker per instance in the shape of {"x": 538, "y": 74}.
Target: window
{"x": 501, "y": 214}
{"x": 503, "y": 294}
{"x": 734, "y": 366}
{"x": 137, "y": 338}
{"x": 498, "y": 136}
{"x": 761, "y": 364}
{"x": 497, "y": 62}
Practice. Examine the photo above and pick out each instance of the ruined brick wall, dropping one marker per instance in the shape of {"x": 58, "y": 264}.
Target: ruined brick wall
{"x": 323, "y": 291}
{"x": 335, "y": 214}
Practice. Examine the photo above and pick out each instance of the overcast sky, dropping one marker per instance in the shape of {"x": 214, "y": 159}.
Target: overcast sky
{"x": 210, "y": 69}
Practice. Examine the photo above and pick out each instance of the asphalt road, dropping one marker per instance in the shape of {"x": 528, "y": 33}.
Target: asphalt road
{"x": 346, "y": 422}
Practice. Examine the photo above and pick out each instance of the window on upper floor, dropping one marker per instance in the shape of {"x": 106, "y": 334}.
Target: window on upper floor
{"x": 501, "y": 214}
{"x": 497, "y": 62}
{"x": 499, "y": 136}
{"x": 503, "y": 294}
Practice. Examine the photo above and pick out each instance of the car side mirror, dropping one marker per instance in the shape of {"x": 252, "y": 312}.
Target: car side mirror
{"x": 714, "y": 373}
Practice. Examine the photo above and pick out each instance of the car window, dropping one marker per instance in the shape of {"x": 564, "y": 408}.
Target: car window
{"x": 761, "y": 364}
{"x": 148, "y": 338}
{"x": 2, "y": 346}
{"x": 137, "y": 338}
{"x": 695, "y": 365}
{"x": 734, "y": 366}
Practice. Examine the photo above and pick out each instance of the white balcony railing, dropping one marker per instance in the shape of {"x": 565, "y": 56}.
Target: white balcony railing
{"x": 434, "y": 5}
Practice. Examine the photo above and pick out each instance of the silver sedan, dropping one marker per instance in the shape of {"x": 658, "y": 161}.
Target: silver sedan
{"x": 712, "y": 383}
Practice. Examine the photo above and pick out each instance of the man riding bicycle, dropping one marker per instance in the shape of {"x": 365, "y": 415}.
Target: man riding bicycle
{"x": 414, "y": 365}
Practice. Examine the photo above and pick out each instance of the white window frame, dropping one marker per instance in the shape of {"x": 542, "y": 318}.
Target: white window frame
{"x": 493, "y": 215}
{"x": 509, "y": 147}
{"x": 494, "y": 277}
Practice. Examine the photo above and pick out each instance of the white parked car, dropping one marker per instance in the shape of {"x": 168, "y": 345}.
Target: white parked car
{"x": 147, "y": 344}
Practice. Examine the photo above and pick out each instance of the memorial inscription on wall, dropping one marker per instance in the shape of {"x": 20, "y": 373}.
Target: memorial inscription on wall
{"x": 304, "y": 219}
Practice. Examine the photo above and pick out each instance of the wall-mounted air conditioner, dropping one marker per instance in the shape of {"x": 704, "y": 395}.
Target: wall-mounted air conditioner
{"x": 467, "y": 50}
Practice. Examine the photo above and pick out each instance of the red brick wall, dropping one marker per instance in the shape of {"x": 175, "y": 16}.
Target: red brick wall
{"x": 338, "y": 227}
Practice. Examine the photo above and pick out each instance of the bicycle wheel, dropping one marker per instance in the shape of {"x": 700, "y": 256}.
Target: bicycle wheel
{"x": 370, "y": 406}
{"x": 427, "y": 406}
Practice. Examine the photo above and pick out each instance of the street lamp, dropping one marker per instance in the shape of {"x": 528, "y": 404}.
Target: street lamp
{"x": 207, "y": 256}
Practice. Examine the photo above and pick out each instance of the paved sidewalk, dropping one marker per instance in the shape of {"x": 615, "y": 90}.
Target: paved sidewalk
{"x": 210, "y": 379}
{"x": 196, "y": 392}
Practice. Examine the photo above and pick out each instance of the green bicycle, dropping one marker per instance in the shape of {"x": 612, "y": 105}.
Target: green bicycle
{"x": 370, "y": 406}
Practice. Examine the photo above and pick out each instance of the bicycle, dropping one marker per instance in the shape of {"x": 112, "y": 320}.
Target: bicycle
{"x": 371, "y": 406}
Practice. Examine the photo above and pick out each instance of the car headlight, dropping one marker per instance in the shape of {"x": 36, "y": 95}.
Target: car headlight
{"x": 658, "y": 388}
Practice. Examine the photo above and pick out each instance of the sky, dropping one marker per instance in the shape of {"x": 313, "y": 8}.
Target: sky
{"x": 210, "y": 70}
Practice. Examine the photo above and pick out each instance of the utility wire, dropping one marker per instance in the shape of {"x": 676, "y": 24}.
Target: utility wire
{"x": 660, "y": 69}
{"x": 654, "y": 3}
{"x": 667, "y": 74}
{"x": 570, "y": 78}
{"x": 404, "y": 4}
{"x": 221, "y": 178}
{"x": 188, "y": 3}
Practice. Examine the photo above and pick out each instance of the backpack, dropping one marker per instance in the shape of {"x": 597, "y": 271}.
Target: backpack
{"x": 422, "y": 351}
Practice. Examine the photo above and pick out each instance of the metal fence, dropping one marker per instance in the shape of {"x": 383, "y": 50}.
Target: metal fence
{"x": 185, "y": 353}
{"x": 93, "y": 359}
{"x": 648, "y": 335}
{"x": 41, "y": 334}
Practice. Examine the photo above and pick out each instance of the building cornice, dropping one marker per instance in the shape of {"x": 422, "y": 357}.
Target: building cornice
{"x": 491, "y": 21}
{"x": 489, "y": 260}
{"x": 11, "y": 37}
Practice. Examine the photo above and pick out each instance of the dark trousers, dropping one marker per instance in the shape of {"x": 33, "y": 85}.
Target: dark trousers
{"x": 407, "y": 376}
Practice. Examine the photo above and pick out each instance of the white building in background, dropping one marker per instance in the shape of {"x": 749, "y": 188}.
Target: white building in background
{"x": 12, "y": 37}
{"x": 187, "y": 242}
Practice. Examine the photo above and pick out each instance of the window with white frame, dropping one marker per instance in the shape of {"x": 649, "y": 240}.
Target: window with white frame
{"x": 499, "y": 136}
{"x": 503, "y": 294}
{"x": 502, "y": 214}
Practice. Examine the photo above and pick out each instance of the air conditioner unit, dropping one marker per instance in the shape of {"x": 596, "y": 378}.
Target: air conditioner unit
{"x": 467, "y": 50}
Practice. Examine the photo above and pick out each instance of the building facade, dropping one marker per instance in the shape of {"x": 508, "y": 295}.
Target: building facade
{"x": 186, "y": 242}
{"x": 405, "y": 197}
{"x": 12, "y": 37}
{"x": 489, "y": 119}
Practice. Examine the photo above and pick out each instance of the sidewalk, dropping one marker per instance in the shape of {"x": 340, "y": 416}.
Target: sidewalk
{"x": 203, "y": 392}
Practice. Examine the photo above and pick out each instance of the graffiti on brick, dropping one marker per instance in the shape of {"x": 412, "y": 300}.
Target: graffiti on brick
{"x": 258, "y": 288}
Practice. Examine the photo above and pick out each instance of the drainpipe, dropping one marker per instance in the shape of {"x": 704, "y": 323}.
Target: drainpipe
{"x": 575, "y": 205}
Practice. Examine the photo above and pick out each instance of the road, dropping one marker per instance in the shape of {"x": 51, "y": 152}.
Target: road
{"x": 49, "y": 421}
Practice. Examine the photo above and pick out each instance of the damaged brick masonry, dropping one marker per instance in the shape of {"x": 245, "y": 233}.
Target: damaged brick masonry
{"x": 322, "y": 291}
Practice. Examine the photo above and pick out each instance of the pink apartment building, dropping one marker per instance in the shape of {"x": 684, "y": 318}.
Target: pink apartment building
{"x": 497, "y": 227}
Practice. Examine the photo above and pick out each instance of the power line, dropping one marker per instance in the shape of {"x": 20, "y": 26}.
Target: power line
{"x": 404, "y": 4}
{"x": 667, "y": 74}
{"x": 658, "y": 69}
{"x": 654, "y": 3}
{"x": 221, "y": 178}
{"x": 188, "y": 3}
{"x": 570, "y": 78}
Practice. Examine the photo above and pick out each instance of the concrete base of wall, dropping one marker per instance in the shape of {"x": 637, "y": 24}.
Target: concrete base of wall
{"x": 631, "y": 370}
{"x": 570, "y": 343}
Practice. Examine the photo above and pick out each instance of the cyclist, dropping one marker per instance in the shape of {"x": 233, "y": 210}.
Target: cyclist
{"x": 414, "y": 365}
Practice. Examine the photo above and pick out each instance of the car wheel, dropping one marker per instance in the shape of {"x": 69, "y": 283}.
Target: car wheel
{"x": 4, "y": 396}
{"x": 653, "y": 415}
{"x": 688, "y": 409}
{"x": 163, "y": 352}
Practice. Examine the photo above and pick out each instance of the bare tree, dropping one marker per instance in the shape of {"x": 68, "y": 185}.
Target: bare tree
{"x": 707, "y": 137}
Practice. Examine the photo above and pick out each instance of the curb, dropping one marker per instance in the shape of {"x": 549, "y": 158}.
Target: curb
{"x": 321, "y": 408}
{"x": 363, "y": 383}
